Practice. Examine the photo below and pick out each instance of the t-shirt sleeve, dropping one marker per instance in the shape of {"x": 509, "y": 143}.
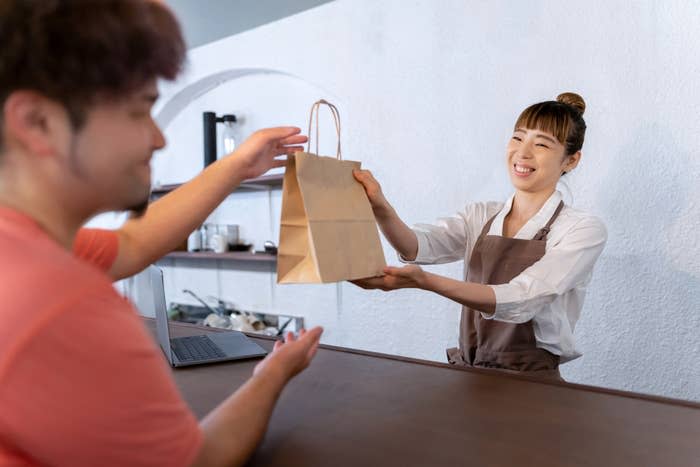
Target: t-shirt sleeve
{"x": 98, "y": 247}
{"x": 90, "y": 388}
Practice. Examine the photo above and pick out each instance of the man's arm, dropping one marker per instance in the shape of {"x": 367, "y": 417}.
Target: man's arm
{"x": 173, "y": 217}
{"x": 234, "y": 429}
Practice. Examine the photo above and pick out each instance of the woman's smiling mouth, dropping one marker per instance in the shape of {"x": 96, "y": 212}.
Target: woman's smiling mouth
{"x": 522, "y": 170}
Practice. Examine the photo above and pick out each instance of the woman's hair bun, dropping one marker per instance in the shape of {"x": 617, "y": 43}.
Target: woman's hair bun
{"x": 574, "y": 100}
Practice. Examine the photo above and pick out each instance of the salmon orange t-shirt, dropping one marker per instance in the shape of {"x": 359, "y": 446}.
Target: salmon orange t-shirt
{"x": 81, "y": 381}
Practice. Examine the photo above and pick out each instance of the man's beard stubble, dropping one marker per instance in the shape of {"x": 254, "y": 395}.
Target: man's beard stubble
{"x": 138, "y": 210}
{"x": 135, "y": 212}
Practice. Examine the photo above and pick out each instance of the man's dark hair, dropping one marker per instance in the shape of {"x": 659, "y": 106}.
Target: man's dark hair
{"x": 79, "y": 51}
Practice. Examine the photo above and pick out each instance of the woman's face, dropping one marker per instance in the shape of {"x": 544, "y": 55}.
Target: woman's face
{"x": 536, "y": 160}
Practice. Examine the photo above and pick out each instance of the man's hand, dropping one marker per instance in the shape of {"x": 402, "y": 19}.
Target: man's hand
{"x": 237, "y": 425}
{"x": 407, "y": 277}
{"x": 257, "y": 154}
{"x": 290, "y": 357}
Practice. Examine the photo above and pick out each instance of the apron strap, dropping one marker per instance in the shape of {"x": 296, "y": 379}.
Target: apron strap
{"x": 487, "y": 227}
{"x": 544, "y": 231}
{"x": 541, "y": 234}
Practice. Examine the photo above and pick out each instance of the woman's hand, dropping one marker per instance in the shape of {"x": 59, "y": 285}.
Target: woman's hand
{"x": 477, "y": 296}
{"x": 407, "y": 277}
{"x": 394, "y": 229}
{"x": 379, "y": 204}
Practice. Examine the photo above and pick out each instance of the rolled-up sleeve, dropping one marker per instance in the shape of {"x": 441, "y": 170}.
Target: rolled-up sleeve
{"x": 565, "y": 266}
{"x": 448, "y": 239}
{"x": 442, "y": 242}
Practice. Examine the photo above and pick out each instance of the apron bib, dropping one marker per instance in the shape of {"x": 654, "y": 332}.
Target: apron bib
{"x": 488, "y": 343}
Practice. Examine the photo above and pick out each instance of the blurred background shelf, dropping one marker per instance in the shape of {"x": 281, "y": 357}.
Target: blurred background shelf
{"x": 228, "y": 256}
{"x": 260, "y": 183}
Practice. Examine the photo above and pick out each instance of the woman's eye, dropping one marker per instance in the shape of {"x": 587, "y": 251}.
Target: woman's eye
{"x": 517, "y": 138}
{"x": 542, "y": 145}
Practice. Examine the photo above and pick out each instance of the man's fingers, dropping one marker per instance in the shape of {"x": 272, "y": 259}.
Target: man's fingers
{"x": 311, "y": 335}
{"x": 312, "y": 352}
{"x": 281, "y": 132}
{"x": 295, "y": 139}
{"x": 288, "y": 150}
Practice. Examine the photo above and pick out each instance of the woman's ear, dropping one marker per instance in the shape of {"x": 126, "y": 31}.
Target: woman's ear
{"x": 570, "y": 162}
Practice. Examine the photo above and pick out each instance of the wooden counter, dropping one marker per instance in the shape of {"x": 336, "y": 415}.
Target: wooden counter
{"x": 361, "y": 409}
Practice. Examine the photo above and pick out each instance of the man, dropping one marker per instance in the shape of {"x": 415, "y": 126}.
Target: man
{"x": 81, "y": 382}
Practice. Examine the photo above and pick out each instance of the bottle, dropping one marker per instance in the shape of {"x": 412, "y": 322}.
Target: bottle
{"x": 231, "y": 235}
{"x": 217, "y": 241}
{"x": 228, "y": 134}
{"x": 205, "y": 233}
{"x": 194, "y": 241}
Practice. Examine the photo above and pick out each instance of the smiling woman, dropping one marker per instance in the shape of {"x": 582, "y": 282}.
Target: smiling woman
{"x": 527, "y": 261}
{"x": 546, "y": 144}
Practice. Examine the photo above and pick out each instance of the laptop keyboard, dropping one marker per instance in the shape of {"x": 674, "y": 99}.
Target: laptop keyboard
{"x": 195, "y": 348}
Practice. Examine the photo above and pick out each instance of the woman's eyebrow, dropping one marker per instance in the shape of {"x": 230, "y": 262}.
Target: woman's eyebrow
{"x": 541, "y": 135}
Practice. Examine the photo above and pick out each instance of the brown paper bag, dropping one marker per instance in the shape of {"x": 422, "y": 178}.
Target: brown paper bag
{"x": 328, "y": 232}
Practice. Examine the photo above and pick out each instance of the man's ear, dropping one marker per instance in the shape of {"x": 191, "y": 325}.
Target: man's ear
{"x": 35, "y": 122}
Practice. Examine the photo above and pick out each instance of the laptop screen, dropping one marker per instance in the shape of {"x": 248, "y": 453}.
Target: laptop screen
{"x": 161, "y": 310}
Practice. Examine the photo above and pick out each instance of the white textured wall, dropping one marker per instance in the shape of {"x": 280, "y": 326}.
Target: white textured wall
{"x": 428, "y": 93}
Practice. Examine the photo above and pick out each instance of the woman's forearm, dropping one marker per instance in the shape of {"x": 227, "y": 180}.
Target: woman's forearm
{"x": 477, "y": 296}
{"x": 401, "y": 237}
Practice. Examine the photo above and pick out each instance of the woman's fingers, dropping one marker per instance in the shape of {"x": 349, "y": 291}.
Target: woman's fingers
{"x": 364, "y": 176}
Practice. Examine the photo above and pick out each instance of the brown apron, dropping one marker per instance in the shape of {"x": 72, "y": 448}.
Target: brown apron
{"x": 494, "y": 344}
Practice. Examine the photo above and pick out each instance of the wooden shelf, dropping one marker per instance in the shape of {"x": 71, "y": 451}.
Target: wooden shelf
{"x": 228, "y": 256}
{"x": 261, "y": 183}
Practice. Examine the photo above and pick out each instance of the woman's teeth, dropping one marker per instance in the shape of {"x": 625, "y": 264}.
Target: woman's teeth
{"x": 523, "y": 170}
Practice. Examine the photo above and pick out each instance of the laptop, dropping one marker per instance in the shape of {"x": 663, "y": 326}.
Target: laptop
{"x": 196, "y": 350}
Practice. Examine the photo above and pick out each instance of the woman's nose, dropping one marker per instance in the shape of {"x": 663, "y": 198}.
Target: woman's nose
{"x": 524, "y": 151}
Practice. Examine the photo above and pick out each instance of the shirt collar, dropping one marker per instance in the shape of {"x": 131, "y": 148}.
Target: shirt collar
{"x": 532, "y": 226}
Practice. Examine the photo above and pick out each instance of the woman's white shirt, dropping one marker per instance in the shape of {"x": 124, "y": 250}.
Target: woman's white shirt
{"x": 551, "y": 291}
